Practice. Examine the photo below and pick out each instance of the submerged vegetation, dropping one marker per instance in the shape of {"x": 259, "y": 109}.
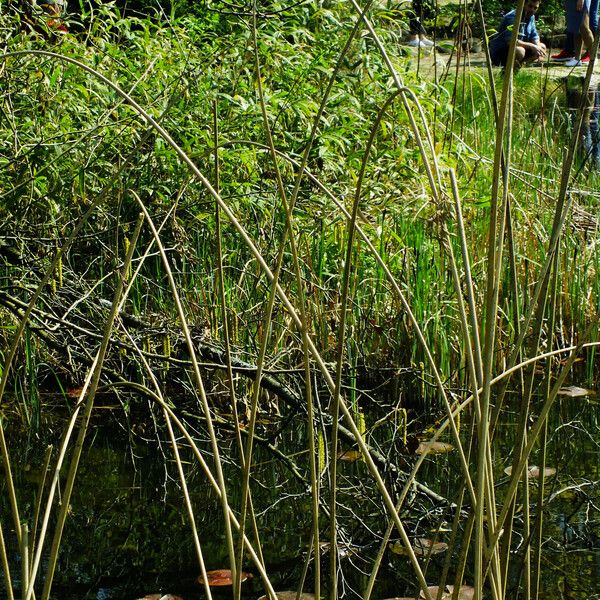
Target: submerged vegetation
{"x": 272, "y": 237}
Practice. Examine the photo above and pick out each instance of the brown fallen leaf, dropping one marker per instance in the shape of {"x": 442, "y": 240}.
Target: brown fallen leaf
{"x": 221, "y": 577}
{"x": 344, "y": 550}
{"x": 421, "y": 547}
{"x": 349, "y": 455}
{"x": 434, "y": 448}
{"x": 575, "y": 392}
{"x": 289, "y": 595}
{"x": 534, "y": 472}
{"x": 466, "y": 592}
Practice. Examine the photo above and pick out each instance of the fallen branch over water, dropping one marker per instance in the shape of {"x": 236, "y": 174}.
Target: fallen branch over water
{"x": 67, "y": 328}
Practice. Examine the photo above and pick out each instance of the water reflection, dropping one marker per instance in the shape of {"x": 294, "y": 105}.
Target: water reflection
{"x": 128, "y": 534}
{"x": 589, "y": 135}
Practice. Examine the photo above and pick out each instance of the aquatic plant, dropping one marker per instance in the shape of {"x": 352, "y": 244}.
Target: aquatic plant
{"x": 291, "y": 206}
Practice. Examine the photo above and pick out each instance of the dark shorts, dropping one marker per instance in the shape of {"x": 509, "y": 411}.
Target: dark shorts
{"x": 499, "y": 56}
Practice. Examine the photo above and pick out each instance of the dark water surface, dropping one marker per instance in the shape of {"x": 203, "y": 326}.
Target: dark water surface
{"x": 128, "y": 532}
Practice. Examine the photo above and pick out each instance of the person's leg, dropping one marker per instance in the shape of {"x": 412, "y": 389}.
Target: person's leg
{"x": 575, "y": 22}
{"x": 427, "y": 8}
{"x": 573, "y": 17}
{"x": 578, "y": 45}
{"x": 578, "y": 60}
{"x": 414, "y": 27}
{"x": 414, "y": 24}
{"x": 587, "y": 37}
{"x": 594, "y": 16}
{"x": 570, "y": 42}
{"x": 520, "y": 56}
{"x": 568, "y": 50}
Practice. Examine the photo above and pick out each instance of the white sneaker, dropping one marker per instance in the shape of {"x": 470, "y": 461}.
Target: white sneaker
{"x": 414, "y": 43}
{"x": 426, "y": 42}
{"x": 573, "y": 62}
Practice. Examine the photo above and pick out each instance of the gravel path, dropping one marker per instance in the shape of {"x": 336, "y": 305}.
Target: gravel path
{"x": 432, "y": 64}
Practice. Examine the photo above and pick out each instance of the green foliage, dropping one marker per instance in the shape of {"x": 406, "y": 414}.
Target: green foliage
{"x": 70, "y": 145}
{"x": 68, "y": 138}
{"x": 550, "y": 16}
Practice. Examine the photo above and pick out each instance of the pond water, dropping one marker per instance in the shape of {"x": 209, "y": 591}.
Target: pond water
{"x": 589, "y": 135}
{"x": 127, "y": 534}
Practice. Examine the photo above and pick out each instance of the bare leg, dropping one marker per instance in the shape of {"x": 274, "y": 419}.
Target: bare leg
{"x": 586, "y": 35}
{"x": 519, "y": 56}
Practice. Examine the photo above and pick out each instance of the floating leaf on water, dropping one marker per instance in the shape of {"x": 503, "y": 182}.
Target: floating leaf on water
{"x": 160, "y": 597}
{"x": 425, "y": 546}
{"x": 397, "y": 548}
{"x": 421, "y": 547}
{"x": 344, "y": 550}
{"x": 534, "y": 472}
{"x": 434, "y": 448}
{"x": 575, "y": 392}
{"x": 349, "y": 455}
{"x": 288, "y": 595}
{"x": 466, "y": 592}
{"x": 221, "y": 577}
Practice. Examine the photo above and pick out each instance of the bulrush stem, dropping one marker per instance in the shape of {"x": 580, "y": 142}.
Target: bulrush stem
{"x": 5, "y": 567}
{"x": 24, "y": 559}
{"x": 85, "y": 419}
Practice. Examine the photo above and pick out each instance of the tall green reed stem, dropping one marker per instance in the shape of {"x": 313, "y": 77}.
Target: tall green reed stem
{"x": 87, "y": 412}
{"x": 199, "y": 384}
{"x": 5, "y": 566}
{"x": 256, "y": 559}
{"x": 494, "y": 260}
{"x": 236, "y": 566}
{"x": 537, "y": 536}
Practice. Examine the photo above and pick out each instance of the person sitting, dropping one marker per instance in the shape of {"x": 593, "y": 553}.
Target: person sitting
{"x": 529, "y": 47}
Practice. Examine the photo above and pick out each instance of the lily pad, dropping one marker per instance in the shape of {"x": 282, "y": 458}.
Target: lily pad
{"x": 434, "y": 448}
{"x": 222, "y": 577}
{"x": 289, "y": 595}
{"x": 421, "y": 547}
{"x": 466, "y": 592}
{"x": 575, "y": 392}
{"x": 534, "y": 472}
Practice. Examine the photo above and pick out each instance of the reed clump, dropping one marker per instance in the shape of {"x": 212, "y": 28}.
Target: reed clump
{"x": 233, "y": 218}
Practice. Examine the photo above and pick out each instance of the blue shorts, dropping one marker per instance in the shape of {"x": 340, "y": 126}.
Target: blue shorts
{"x": 575, "y": 17}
